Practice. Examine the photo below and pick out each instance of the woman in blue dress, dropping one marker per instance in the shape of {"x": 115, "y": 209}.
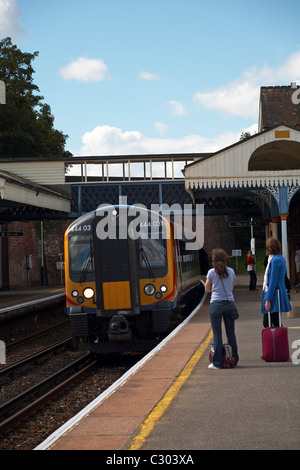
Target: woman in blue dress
{"x": 274, "y": 278}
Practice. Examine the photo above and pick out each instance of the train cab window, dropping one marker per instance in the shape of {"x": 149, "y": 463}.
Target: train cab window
{"x": 153, "y": 252}
{"x": 153, "y": 257}
{"x": 81, "y": 259}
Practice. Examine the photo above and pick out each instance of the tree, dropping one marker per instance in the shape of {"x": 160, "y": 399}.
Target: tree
{"x": 245, "y": 136}
{"x": 26, "y": 124}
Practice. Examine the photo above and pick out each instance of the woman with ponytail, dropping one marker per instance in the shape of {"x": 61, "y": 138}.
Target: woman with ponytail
{"x": 220, "y": 283}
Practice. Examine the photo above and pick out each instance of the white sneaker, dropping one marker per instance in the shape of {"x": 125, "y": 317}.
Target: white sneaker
{"x": 211, "y": 366}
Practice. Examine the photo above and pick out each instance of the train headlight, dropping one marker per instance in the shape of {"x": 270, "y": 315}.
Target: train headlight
{"x": 88, "y": 293}
{"x": 75, "y": 293}
{"x": 163, "y": 288}
{"x": 149, "y": 289}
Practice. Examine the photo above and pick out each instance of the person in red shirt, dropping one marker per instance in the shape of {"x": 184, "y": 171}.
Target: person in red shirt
{"x": 251, "y": 271}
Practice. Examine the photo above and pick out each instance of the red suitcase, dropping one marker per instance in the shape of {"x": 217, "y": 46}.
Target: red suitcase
{"x": 275, "y": 343}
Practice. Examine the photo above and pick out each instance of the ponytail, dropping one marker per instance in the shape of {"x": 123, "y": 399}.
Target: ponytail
{"x": 219, "y": 257}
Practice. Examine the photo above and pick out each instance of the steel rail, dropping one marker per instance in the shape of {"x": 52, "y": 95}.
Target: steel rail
{"x": 35, "y": 335}
{"x": 33, "y": 357}
{"x": 13, "y": 420}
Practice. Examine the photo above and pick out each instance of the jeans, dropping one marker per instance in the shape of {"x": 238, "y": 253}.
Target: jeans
{"x": 253, "y": 278}
{"x": 217, "y": 311}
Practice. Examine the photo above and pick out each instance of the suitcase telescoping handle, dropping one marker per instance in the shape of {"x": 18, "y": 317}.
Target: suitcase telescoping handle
{"x": 279, "y": 310}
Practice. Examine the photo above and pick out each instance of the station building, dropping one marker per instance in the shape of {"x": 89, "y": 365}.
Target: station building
{"x": 264, "y": 168}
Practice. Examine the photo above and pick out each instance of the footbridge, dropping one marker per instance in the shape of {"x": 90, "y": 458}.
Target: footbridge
{"x": 52, "y": 189}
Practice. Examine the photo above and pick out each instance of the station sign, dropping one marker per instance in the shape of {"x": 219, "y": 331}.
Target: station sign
{"x": 243, "y": 223}
{"x": 11, "y": 234}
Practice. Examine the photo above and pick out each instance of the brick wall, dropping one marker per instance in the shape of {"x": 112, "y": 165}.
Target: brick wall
{"x": 16, "y": 249}
{"x": 14, "y": 253}
{"x": 277, "y": 107}
{"x": 54, "y": 246}
{"x": 218, "y": 234}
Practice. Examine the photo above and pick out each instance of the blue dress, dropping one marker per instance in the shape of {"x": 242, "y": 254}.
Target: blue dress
{"x": 276, "y": 278}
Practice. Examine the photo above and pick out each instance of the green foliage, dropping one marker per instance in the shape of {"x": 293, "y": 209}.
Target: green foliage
{"x": 245, "y": 136}
{"x": 259, "y": 258}
{"x": 26, "y": 124}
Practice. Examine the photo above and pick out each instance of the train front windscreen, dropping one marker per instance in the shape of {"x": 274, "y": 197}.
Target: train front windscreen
{"x": 81, "y": 259}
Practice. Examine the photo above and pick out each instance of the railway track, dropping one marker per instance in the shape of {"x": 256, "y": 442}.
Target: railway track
{"x": 13, "y": 345}
{"x": 18, "y": 408}
{"x": 35, "y": 343}
{"x": 14, "y": 366}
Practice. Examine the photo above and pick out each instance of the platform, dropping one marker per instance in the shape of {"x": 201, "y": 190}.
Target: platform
{"x": 253, "y": 407}
{"x": 23, "y": 300}
{"x": 174, "y": 402}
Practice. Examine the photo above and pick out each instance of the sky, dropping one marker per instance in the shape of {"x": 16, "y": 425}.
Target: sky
{"x": 127, "y": 77}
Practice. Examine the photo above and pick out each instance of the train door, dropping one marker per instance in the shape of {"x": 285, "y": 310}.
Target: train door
{"x": 116, "y": 273}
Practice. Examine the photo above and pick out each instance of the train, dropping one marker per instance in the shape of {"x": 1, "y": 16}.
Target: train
{"x": 128, "y": 278}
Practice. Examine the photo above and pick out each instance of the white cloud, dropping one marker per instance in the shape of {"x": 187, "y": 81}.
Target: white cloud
{"x": 10, "y": 19}
{"x": 107, "y": 140}
{"x": 177, "y": 108}
{"x": 290, "y": 70}
{"x": 240, "y": 99}
{"x": 161, "y": 127}
{"x": 85, "y": 70}
{"x": 241, "y": 96}
{"x": 143, "y": 75}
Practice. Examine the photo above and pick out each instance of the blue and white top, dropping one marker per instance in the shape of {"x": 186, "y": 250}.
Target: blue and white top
{"x": 221, "y": 289}
{"x": 276, "y": 278}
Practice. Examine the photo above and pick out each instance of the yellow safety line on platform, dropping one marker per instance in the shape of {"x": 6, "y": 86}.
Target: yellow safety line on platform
{"x": 152, "y": 419}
